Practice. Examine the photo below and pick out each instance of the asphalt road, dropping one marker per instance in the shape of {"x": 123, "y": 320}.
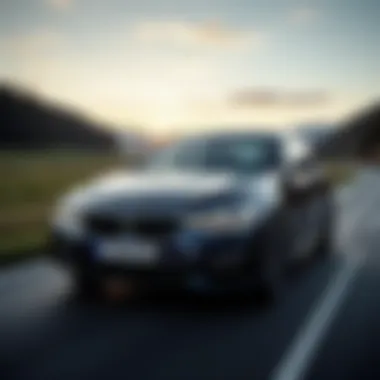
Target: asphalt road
{"x": 325, "y": 325}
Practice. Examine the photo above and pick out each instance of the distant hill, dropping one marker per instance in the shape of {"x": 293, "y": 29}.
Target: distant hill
{"x": 357, "y": 137}
{"x": 27, "y": 122}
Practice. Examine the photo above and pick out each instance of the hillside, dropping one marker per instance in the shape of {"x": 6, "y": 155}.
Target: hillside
{"x": 359, "y": 136}
{"x": 27, "y": 122}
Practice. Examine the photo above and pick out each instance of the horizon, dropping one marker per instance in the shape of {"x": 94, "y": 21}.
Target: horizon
{"x": 175, "y": 67}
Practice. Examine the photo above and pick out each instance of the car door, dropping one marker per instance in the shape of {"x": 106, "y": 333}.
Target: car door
{"x": 304, "y": 205}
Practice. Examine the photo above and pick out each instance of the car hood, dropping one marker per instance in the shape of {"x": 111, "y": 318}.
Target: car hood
{"x": 152, "y": 192}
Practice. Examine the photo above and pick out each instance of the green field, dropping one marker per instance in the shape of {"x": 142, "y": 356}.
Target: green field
{"x": 30, "y": 184}
{"x": 340, "y": 172}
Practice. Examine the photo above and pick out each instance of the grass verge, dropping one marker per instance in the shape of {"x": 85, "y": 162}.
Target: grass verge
{"x": 31, "y": 184}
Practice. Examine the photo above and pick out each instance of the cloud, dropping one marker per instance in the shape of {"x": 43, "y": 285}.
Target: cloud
{"x": 31, "y": 58}
{"x": 207, "y": 34}
{"x": 38, "y": 43}
{"x": 60, "y": 5}
{"x": 272, "y": 98}
{"x": 304, "y": 15}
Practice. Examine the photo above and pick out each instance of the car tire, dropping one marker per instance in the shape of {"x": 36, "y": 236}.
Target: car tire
{"x": 269, "y": 283}
{"x": 325, "y": 243}
{"x": 271, "y": 266}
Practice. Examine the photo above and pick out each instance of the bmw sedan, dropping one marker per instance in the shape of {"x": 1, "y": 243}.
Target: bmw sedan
{"x": 219, "y": 212}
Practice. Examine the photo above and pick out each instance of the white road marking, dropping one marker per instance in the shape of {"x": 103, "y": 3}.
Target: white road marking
{"x": 300, "y": 354}
{"x": 298, "y": 357}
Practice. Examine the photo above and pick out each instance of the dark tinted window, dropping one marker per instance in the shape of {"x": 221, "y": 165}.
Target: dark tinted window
{"x": 241, "y": 154}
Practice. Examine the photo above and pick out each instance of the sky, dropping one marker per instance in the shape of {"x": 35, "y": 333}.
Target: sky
{"x": 173, "y": 65}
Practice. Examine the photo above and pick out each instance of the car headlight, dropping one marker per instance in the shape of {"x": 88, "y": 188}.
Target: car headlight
{"x": 68, "y": 217}
{"x": 219, "y": 221}
{"x": 68, "y": 221}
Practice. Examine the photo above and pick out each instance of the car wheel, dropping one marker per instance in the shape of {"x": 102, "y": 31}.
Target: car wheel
{"x": 326, "y": 238}
{"x": 274, "y": 251}
{"x": 269, "y": 282}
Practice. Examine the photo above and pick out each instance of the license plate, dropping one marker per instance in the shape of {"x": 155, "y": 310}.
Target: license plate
{"x": 127, "y": 251}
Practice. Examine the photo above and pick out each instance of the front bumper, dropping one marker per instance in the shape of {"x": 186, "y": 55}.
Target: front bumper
{"x": 189, "y": 259}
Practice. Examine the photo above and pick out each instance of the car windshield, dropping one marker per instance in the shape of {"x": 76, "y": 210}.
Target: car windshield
{"x": 236, "y": 154}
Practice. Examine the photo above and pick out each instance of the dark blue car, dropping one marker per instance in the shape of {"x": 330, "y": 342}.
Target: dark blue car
{"x": 220, "y": 212}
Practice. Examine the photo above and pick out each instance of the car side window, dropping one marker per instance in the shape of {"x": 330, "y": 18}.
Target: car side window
{"x": 189, "y": 153}
{"x": 245, "y": 155}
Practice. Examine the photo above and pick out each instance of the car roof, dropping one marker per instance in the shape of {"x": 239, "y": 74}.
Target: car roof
{"x": 239, "y": 132}
{"x": 295, "y": 147}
